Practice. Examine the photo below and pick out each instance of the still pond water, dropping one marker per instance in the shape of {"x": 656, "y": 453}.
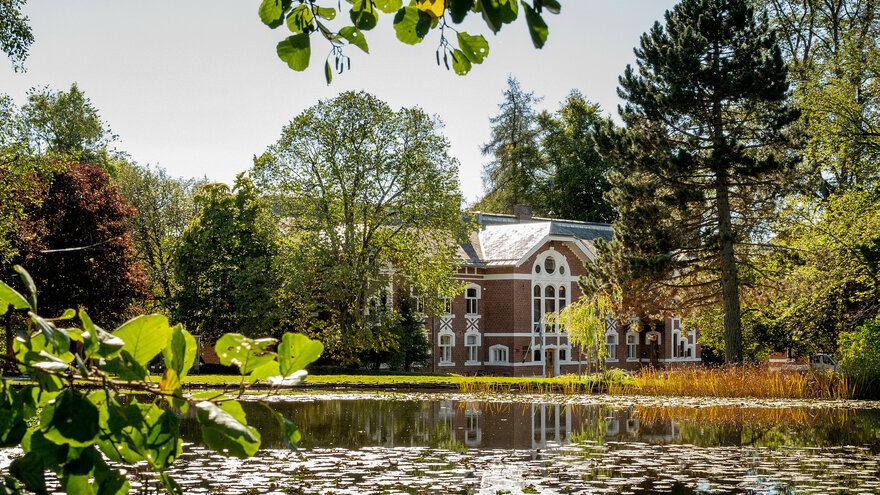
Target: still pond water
{"x": 424, "y": 443}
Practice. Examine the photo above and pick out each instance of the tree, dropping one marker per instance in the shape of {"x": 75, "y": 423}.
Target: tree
{"x": 165, "y": 208}
{"x": 224, "y": 264}
{"x": 412, "y": 23}
{"x": 66, "y": 123}
{"x": 15, "y": 33}
{"x": 367, "y": 193}
{"x": 578, "y": 180}
{"x": 515, "y": 172}
{"x": 833, "y": 48}
{"x": 697, "y": 169}
{"x": 76, "y": 244}
{"x": 22, "y": 175}
{"x": 412, "y": 343}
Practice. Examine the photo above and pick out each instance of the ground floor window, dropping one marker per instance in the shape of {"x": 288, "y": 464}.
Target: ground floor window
{"x": 498, "y": 354}
{"x": 632, "y": 344}
{"x": 611, "y": 345}
{"x": 472, "y": 343}
{"x": 447, "y": 341}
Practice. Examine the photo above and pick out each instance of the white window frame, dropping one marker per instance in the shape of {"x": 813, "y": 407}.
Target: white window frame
{"x": 612, "y": 356}
{"x": 472, "y": 304}
{"x": 446, "y": 349}
{"x": 632, "y": 350}
{"x": 499, "y": 348}
{"x": 475, "y": 348}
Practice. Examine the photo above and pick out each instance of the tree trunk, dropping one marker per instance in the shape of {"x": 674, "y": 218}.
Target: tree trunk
{"x": 729, "y": 279}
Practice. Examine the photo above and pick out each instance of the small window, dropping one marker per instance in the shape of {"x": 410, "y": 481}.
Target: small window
{"x": 472, "y": 342}
{"x": 549, "y": 265}
{"x": 536, "y": 356}
{"x": 472, "y": 297}
{"x": 611, "y": 345}
{"x": 562, "y": 270}
{"x": 447, "y": 306}
{"x": 537, "y": 268}
{"x": 498, "y": 354}
{"x": 563, "y": 355}
{"x": 446, "y": 343}
{"x": 632, "y": 342}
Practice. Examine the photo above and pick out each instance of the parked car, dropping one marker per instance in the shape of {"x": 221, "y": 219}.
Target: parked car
{"x": 823, "y": 362}
{"x": 816, "y": 362}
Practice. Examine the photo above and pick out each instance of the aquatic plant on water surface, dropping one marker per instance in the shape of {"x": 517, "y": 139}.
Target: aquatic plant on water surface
{"x": 81, "y": 409}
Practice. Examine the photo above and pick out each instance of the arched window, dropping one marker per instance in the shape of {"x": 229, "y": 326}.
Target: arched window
{"x": 472, "y": 344}
{"x": 611, "y": 341}
{"x": 498, "y": 354}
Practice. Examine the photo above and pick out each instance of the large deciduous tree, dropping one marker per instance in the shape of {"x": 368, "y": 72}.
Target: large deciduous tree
{"x": 15, "y": 33}
{"x": 224, "y": 264}
{"x": 76, "y": 244}
{"x": 578, "y": 178}
{"x": 367, "y": 192}
{"x": 696, "y": 167}
{"x": 165, "y": 208}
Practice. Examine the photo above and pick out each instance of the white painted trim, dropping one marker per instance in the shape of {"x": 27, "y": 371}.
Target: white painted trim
{"x": 545, "y": 240}
{"x": 442, "y": 364}
{"x": 527, "y": 276}
{"x": 611, "y": 360}
{"x": 472, "y": 363}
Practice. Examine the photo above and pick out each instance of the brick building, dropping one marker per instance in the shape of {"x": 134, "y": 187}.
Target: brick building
{"x": 517, "y": 268}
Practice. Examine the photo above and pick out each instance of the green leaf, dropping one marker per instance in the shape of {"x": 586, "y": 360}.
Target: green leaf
{"x": 363, "y": 15}
{"x": 29, "y": 283}
{"x": 551, "y": 5}
{"x": 160, "y": 436}
{"x": 354, "y": 37}
{"x": 327, "y": 13}
{"x": 180, "y": 351}
{"x": 328, "y": 73}
{"x": 144, "y": 337}
{"x": 68, "y": 314}
{"x": 171, "y": 486}
{"x": 96, "y": 341}
{"x": 248, "y": 354}
{"x": 411, "y": 25}
{"x": 497, "y": 12}
{"x": 475, "y": 48}
{"x": 12, "y": 424}
{"x": 300, "y": 19}
{"x": 272, "y": 12}
{"x": 72, "y": 419}
{"x": 124, "y": 366}
{"x": 388, "y": 6}
{"x": 537, "y": 26}
{"x": 264, "y": 371}
{"x": 460, "y": 63}
{"x": 296, "y": 352}
{"x": 296, "y": 51}
{"x": 30, "y": 471}
{"x": 110, "y": 481}
{"x": 458, "y": 9}
{"x": 56, "y": 337}
{"x": 290, "y": 435}
{"x": 225, "y": 429}
{"x": 10, "y": 296}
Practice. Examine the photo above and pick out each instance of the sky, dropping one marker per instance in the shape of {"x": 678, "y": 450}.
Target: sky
{"x": 195, "y": 86}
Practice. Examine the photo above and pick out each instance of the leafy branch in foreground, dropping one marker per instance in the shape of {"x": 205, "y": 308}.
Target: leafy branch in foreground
{"x": 79, "y": 413}
{"x": 412, "y": 23}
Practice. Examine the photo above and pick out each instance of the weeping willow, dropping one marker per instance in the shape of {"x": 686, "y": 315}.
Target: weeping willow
{"x": 585, "y": 322}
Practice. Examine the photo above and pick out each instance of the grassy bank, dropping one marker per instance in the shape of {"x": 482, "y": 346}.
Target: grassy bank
{"x": 745, "y": 381}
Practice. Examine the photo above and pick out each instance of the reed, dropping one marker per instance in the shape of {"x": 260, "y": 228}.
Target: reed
{"x": 742, "y": 381}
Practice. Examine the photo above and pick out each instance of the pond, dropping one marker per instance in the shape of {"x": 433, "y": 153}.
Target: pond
{"x": 448, "y": 443}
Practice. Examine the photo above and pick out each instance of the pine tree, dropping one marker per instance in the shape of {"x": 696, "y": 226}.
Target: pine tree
{"x": 516, "y": 168}
{"x": 696, "y": 168}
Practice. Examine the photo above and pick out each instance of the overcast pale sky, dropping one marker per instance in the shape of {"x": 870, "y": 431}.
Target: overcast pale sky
{"x": 195, "y": 86}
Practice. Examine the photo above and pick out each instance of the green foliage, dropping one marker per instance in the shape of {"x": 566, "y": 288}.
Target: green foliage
{"x": 366, "y": 192}
{"x": 66, "y": 123}
{"x": 224, "y": 264}
{"x": 516, "y": 170}
{"x": 15, "y": 33}
{"x": 859, "y": 357}
{"x": 165, "y": 208}
{"x": 585, "y": 322}
{"x": 697, "y": 170}
{"x": 412, "y": 24}
{"x": 66, "y": 431}
{"x": 412, "y": 343}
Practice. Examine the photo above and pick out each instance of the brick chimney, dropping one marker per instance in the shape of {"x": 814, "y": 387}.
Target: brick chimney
{"x": 522, "y": 212}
